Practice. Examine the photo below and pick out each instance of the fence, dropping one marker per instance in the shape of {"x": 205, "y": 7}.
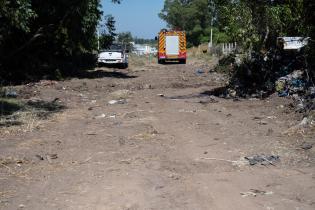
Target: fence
{"x": 224, "y": 48}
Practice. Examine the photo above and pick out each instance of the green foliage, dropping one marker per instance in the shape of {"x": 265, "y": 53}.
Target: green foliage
{"x": 152, "y": 42}
{"x": 253, "y": 24}
{"x": 193, "y": 16}
{"x": 108, "y": 32}
{"x": 37, "y": 37}
{"x": 125, "y": 37}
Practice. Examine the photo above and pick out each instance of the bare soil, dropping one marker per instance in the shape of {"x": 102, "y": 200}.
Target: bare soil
{"x": 164, "y": 146}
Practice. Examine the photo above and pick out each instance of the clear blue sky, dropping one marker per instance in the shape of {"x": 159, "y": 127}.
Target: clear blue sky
{"x": 140, "y": 17}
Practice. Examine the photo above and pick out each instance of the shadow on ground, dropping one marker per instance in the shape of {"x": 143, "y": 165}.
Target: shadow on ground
{"x": 101, "y": 74}
{"x": 218, "y": 92}
{"x": 8, "y": 107}
{"x": 14, "y": 112}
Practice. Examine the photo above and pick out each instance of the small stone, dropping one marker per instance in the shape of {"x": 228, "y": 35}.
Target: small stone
{"x": 147, "y": 86}
{"x": 306, "y": 146}
{"x": 263, "y": 123}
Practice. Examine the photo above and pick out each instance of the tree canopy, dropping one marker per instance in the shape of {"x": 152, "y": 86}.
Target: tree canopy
{"x": 251, "y": 23}
{"x": 38, "y": 37}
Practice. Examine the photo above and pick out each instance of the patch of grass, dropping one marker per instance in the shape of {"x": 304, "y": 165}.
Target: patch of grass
{"x": 8, "y": 106}
{"x": 26, "y": 115}
{"x": 142, "y": 60}
{"x": 50, "y": 106}
{"x": 198, "y": 54}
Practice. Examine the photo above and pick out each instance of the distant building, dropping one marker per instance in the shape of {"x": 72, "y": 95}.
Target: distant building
{"x": 143, "y": 49}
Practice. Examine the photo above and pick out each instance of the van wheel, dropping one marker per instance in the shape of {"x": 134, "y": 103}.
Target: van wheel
{"x": 161, "y": 61}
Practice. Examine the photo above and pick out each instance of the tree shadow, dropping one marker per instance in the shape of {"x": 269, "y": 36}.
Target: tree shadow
{"x": 171, "y": 63}
{"x": 102, "y": 74}
{"x": 12, "y": 113}
{"x": 8, "y": 107}
{"x": 221, "y": 92}
{"x": 218, "y": 92}
{"x": 44, "y": 109}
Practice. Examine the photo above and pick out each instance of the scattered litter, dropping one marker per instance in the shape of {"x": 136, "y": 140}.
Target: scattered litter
{"x": 232, "y": 93}
{"x": 51, "y": 157}
{"x": 161, "y": 95}
{"x": 21, "y": 206}
{"x": 271, "y": 117}
{"x": 254, "y": 193}
{"x": 100, "y": 116}
{"x": 257, "y": 118}
{"x": 306, "y": 146}
{"x": 174, "y": 176}
{"x": 112, "y": 116}
{"x": 39, "y": 157}
{"x": 290, "y": 84}
{"x": 263, "y": 159}
{"x": 187, "y": 111}
{"x": 305, "y": 122}
{"x": 147, "y": 86}
{"x": 199, "y": 72}
{"x": 121, "y": 101}
{"x": 10, "y": 93}
{"x": 280, "y": 107}
{"x": 262, "y": 122}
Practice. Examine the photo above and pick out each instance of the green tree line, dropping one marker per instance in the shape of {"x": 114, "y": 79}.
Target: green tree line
{"x": 254, "y": 25}
{"x": 251, "y": 23}
{"x": 44, "y": 37}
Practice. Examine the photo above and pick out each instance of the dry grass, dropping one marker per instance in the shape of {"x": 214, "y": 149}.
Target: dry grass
{"x": 136, "y": 61}
{"x": 121, "y": 94}
{"x": 20, "y": 116}
{"x": 198, "y": 55}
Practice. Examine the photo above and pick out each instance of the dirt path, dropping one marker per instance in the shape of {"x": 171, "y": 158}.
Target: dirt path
{"x": 164, "y": 146}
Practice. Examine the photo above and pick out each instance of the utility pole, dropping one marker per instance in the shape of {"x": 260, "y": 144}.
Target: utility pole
{"x": 211, "y": 34}
{"x": 211, "y": 5}
{"x": 98, "y": 39}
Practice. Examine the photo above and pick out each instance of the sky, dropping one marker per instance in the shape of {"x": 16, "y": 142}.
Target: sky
{"x": 140, "y": 17}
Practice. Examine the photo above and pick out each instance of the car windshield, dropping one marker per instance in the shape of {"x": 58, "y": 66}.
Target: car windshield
{"x": 115, "y": 47}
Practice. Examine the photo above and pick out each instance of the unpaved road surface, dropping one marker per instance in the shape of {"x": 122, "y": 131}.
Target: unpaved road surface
{"x": 165, "y": 146}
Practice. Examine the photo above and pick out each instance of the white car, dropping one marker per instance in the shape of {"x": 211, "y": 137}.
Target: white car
{"x": 114, "y": 55}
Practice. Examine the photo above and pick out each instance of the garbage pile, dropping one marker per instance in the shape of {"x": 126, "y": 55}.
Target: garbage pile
{"x": 263, "y": 159}
{"x": 261, "y": 74}
{"x": 290, "y": 84}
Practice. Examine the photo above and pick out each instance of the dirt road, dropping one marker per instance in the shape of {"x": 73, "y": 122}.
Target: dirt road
{"x": 164, "y": 145}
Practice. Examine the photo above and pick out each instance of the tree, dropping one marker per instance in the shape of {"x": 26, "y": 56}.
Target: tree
{"x": 108, "y": 32}
{"x": 193, "y": 16}
{"x": 38, "y": 37}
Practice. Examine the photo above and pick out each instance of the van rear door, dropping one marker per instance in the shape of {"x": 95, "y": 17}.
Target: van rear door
{"x": 172, "y": 45}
